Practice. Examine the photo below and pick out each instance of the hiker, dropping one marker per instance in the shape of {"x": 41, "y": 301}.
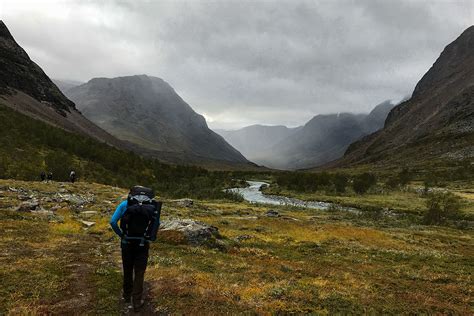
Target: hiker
{"x": 72, "y": 176}
{"x": 139, "y": 218}
{"x": 50, "y": 176}
{"x": 43, "y": 176}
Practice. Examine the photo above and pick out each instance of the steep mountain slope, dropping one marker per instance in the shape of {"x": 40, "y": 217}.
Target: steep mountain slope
{"x": 253, "y": 140}
{"x": 27, "y": 89}
{"x": 436, "y": 123}
{"x": 322, "y": 139}
{"x": 146, "y": 111}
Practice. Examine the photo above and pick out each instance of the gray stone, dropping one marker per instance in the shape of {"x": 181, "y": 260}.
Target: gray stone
{"x": 272, "y": 213}
{"x": 28, "y": 206}
{"x": 87, "y": 224}
{"x": 184, "y": 202}
{"x": 75, "y": 199}
{"x": 194, "y": 232}
{"x": 243, "y": 237}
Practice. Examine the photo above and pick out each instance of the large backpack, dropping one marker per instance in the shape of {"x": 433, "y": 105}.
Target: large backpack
{"x": 141, "y": 219}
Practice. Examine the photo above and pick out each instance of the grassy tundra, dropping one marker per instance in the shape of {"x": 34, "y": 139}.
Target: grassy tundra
{"x": 305, "y": 261}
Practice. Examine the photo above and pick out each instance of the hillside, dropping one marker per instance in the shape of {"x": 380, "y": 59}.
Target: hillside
{"x": 29, "y": 146}
{"x": 147, "y": 112}
{"x": 436, "y": 124}
{"x": 322, "y": 139}
{"x": 24, "y": 87}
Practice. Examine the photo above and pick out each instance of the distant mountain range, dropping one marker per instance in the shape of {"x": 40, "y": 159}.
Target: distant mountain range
{"x": 139, "y": 113}
{"x": 144, "y": 114}
{"x": 436, "y": 124}
{"x": 323, "y": 139}
{"x": 254, "y": 139}
{"x": 65, "y": 84}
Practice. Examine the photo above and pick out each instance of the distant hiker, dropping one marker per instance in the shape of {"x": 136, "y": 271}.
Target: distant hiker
{"x": 139, "y": 218}
{"x": 43, "y": 175}
{"x": 50, "y": 176}
{"x": 72, "y": 176}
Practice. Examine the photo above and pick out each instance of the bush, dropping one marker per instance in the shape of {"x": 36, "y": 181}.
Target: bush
{"x": 362, "y": 183}
{"x": 440, "y": 207}
{"x": 340, "y": 182}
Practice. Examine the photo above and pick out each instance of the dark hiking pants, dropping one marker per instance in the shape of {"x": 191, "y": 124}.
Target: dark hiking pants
{"x": 134, "y": 260}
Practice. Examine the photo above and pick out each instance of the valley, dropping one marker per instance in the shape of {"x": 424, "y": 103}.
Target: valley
{"x": 365, "y": 210}
{"x": 295, "y": 261}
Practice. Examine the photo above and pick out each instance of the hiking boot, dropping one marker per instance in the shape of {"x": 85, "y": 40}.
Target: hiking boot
{"x": 127, "y": 302}
{"x": 138, "y": 305}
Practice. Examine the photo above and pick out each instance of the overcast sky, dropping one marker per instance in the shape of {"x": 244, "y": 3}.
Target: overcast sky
{"x": 245, "y": 62}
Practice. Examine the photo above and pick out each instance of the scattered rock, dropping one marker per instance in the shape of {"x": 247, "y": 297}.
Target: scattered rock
{"x": 288, "y": 218}
{"x": 43, "y": 212}
{"x": 73, "y": 198}
{"x": 184, "y": 202}
{"x": 87, "y": 224}
{"x": 187, "y": 231}
{"x": 28, "y": 206}
{"x": 243, "y": 237}
{"x": 272, "y": 213}
{"x": 88, "y": 213}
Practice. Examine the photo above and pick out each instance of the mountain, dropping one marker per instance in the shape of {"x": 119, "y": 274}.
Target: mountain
{"x": 147, "y": 112}
{"x": 64, "y": 84}
{"x": 322, "y": 139}
{"x": 254, "y": 139}
{"x": 25, "y": 88}
{"x": 436, "y": 123}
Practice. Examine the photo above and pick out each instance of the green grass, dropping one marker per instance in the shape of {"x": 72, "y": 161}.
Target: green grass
{"x": 306, "y": 261}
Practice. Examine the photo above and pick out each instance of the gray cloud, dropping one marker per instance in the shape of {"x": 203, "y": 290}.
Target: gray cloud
{"x": 245, "y": 62}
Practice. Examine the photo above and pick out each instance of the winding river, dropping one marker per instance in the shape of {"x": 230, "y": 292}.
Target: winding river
{"x": 253, "y": 194}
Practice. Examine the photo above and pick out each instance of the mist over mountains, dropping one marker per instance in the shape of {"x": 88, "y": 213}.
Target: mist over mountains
{"x": 322, "y": 139}
{"x": 146, "y": 111}
{"x": 436, "y": 124}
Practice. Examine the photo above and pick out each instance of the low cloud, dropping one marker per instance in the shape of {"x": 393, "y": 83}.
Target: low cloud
{"x": 246, "y": 62}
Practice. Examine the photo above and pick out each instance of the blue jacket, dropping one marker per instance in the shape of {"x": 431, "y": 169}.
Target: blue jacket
{"x": 121, "y": 208}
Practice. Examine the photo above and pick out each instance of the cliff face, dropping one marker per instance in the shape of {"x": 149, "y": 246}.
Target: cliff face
{"x": 437, "y": 122}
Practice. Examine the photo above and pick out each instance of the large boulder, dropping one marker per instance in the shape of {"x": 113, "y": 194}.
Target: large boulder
{"x": 187, "y": 231}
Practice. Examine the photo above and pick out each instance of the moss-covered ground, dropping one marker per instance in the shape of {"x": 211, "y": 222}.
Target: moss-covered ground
{"x": 305, "y": 261}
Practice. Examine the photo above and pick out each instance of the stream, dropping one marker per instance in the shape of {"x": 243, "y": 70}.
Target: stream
{"x": 253, "y": 194}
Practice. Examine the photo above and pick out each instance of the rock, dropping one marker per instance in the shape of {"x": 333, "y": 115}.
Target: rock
{"x": 88, "y": 213}
{"x": 187, "y": 231}
{"x": 43, "y": 212}
{"x": 87, "y": 224}
{"x": 184, "y": 202}
{"x": 73, "y": 198}
{"x": 243, "y": 237}
{"x": 28, "y": 206}
{"x": 272, "y": 213}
